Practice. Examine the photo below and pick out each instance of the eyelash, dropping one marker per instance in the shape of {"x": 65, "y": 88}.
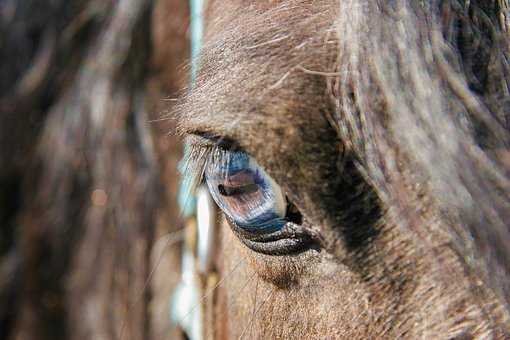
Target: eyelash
{"x": 196, "y": 159}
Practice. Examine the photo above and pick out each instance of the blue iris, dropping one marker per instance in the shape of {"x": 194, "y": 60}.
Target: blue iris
{"x": 245, "y": 192}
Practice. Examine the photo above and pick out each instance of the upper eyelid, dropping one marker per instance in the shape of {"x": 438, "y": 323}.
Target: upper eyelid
{"x": 208, "y": 140}
{"x": 197, "y": 140}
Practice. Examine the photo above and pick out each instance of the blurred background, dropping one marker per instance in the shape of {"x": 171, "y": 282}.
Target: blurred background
{"x": 88, "y": 220}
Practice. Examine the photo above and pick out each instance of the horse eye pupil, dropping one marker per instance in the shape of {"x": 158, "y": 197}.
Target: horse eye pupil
{"x": 239, "y": 190}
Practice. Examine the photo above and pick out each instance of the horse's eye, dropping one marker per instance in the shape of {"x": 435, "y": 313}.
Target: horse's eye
{"x": 245, "y": 192}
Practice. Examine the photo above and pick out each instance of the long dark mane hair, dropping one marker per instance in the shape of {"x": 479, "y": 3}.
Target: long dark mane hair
{"x": 429, "y": 83}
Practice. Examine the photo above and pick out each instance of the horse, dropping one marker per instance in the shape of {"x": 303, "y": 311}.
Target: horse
{"x": 358, "y": 152}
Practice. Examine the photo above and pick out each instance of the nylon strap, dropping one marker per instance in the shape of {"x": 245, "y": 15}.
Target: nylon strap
{"x": 187, "y": 310}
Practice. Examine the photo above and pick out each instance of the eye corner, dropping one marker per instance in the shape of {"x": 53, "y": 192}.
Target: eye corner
{"x": 292, "y": 213}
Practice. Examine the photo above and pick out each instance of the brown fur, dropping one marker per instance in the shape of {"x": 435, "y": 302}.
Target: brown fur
{"x": 387, "y": 124}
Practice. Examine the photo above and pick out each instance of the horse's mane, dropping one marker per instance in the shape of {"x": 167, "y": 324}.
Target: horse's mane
{"x": 429, "y": 83}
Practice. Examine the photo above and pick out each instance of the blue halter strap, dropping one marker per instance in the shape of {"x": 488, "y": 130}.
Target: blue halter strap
{"x": 186, "y": 198}
{"x": 187, "y": 308}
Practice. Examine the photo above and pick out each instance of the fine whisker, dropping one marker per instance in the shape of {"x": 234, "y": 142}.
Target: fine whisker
{"x": 171, "y": 238}
{"x": 256, "y": 311}
{"x": 208, "y": 294}
{"x": 272, "y": 41}
{"x": 254, "y": 304}
{"x": 318, "y": 73}
{"x": 230, "y": 304}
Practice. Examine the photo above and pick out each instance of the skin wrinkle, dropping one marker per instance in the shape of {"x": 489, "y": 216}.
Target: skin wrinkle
{"x": 371, "y": 160}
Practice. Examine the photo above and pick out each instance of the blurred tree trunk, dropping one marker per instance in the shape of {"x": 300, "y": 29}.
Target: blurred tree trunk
{"x": 82, "y": 176}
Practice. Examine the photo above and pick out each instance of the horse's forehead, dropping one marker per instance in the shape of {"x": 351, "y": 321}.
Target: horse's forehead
{"x": 247, "y": 39}
{"x": 254, "y": 67}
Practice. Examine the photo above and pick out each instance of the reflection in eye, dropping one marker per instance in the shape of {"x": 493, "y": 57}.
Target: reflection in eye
{"x": 245, "y": 192}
